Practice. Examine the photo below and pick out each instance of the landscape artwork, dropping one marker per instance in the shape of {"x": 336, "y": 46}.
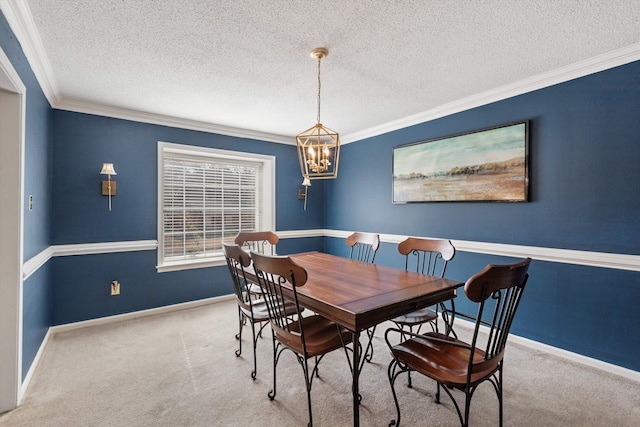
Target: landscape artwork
{"x": 488, "y": 165}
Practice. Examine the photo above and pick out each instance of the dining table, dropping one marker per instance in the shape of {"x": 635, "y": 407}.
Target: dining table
{"x": 359, "y": 295}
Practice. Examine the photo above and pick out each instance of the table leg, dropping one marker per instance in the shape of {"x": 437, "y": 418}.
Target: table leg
{"x": 356, "y": 377}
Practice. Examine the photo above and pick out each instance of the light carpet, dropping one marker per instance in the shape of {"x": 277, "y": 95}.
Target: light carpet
{"x": 179, "y": 369}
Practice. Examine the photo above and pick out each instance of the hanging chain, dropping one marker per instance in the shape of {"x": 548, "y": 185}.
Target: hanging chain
{"x": 319, "y": 59}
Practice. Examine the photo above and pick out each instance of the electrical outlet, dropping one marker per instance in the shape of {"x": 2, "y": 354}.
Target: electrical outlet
{"x": 115, "y": 288}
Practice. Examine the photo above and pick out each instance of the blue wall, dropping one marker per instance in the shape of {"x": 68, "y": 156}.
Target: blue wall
{"x": 69, "y": 209}
{"x": 82, "y": 142}
{"x": 583, "y": 151}
{"x": 584, "y": 157}
{"x": 37, "y": 288}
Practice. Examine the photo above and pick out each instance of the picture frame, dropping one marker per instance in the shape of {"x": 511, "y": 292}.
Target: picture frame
{"x": 488, "y": 165}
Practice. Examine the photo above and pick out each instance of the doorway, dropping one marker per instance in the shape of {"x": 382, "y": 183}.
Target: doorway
{"x": 12, "y": 120}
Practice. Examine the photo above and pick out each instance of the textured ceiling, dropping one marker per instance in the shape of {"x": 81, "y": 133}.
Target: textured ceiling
{"x": 246, "y": 64}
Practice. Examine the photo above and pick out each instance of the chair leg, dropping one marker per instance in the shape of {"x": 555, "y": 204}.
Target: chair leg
{"x": 307, "y": 381}
{"x": 315, "y": 369}
{"x": 468, "y": 393}
{"x": 272, "y": 392}
{"x": 392, "y": 374}
{"x": 500, "y": 392}
{"x": 402, "y": 338}
{"x": 255, "y": 342}
{"x": 368, "y": 354}
{"x": 467, "y": 407}
{"x": 410, "y": 385}
{"x": 448, "y": 320}
{"x": 239, "y": 334}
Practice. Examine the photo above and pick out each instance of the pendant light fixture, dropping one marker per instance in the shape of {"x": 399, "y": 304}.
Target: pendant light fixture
{"x": 318, "y": 146}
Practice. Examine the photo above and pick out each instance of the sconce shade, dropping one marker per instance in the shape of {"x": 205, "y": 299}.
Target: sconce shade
{"x": 318, "y": 152}
{"x": 306, "y": 182}
{"x": 108, "y": 187}
{"x": 107, "y": 169}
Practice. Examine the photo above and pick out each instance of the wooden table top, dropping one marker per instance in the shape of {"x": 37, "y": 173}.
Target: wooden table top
{"x": 357, "y": 295}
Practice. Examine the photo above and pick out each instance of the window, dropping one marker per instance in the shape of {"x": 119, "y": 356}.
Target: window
{"x": 206, "y": 197}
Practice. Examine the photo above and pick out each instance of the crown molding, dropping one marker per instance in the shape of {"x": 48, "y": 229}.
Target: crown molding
{"x": 21, "y": 21}
{"x": 560, "y": 75}
{"x": 163, "y": 120}
{"x": 576, "y": 70}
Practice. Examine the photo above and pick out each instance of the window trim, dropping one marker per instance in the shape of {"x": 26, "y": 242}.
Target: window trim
{"x": 268, "y": 191}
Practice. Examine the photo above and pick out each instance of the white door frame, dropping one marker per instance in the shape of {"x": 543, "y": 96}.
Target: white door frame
{"x": 12, "y": 131}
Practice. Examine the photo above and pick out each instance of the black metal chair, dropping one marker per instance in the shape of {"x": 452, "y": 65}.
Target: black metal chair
{"x": 364, "y": 247}
{"x": 455, "y": 364}
{"x": 253, "y": 311}
{"x": 426, "y": 256}
{"x": 262, "y": 242}
{"x": 429, "y": 256}
{"x": 307, "y": 337}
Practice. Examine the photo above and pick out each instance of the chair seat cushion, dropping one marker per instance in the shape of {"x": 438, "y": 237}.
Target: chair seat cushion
{"x": 254, "y": 288}
{"x": 417, "y": 317}
{"x": 443, "y": 361}
{"x": 261, "y": 312}
{"x": 321, "y": 335}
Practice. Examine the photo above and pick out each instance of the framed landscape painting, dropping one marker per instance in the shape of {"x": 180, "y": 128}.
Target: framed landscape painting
{"x": 487, "y": 165}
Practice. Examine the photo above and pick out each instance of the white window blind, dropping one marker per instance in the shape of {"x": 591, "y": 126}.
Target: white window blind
{"x": 207, "y": 199}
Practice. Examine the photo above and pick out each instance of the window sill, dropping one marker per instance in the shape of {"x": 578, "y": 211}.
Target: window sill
{"x": 191, "y": 264}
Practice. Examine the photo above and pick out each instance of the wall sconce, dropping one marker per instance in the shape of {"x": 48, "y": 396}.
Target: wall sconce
{"x": 108, "y": 187}
{"x": 302, "y": 194}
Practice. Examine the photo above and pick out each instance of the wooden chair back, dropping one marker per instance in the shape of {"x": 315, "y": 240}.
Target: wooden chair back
{"x": 272, "y": 273}
{"x": 498, "y": 290}
{"x": 364, "y": 246}
{"x": 263, "y": 242}
{"x": 429, "y": 256}
{"x": 464, "y": 365}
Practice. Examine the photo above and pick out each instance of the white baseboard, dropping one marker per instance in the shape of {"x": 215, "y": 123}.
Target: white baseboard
{"x": 27, "y": 379}
{"x": 137, "y": 314}
{"x": 565, "y": 354}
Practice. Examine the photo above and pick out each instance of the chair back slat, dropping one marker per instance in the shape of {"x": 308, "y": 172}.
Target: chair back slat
{"x": 498, "y": 289}
{"x": 237, "y": 261}
{"x": 426, "y": 256}
{"x": 364, "y": 246}
{"x": 272, "y": 273}
{"x": 262, "y": 242}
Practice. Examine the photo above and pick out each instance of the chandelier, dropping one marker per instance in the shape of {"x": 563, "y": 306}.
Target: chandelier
{"x": 318, "y": 146}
